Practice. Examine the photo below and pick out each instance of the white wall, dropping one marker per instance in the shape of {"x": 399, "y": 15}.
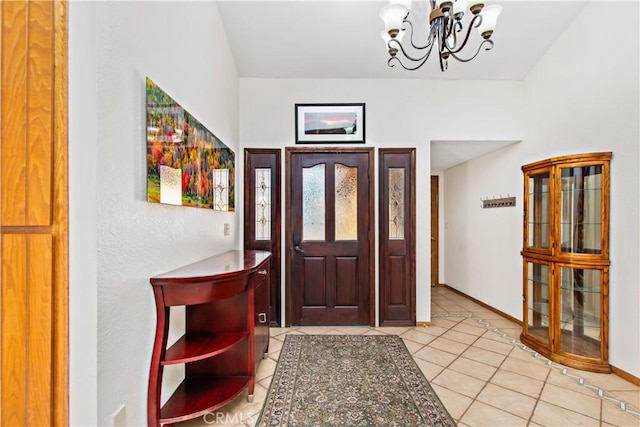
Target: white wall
{"x": 399, "y": 113}
{"x": 583, "y": 96}
{"x": 113, "y": 47}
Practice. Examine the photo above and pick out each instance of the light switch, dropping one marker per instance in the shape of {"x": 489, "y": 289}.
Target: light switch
{"x": 227, "y": 229}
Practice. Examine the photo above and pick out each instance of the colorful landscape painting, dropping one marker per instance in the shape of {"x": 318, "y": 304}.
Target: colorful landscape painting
{"x": 186, "y": 164}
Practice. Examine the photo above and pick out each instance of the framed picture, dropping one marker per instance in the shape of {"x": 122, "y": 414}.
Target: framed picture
{"x": 330, "y": 123}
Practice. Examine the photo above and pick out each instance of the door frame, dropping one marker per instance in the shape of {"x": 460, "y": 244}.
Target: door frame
{"x": 435, "y": 230}
{"x": 289, "y": 151}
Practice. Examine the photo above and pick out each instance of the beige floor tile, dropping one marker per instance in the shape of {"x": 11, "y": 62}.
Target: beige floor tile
{"x": 394, "y": 330}
{"x": 412, "y": 346}
{"x": 481, "y": 414}
{"x": 472, "y": 368}
{"x": 519, "y": 383}
{"x": 494, "y": 346}
{"x": 266, "y": 368}
{"x": 460, "y": 383}
{"x": 417, "y": 336}
{"x": 275, "y": 345}
{"x": 429, "y": 370}
{"x": 572, "y": 400}
{"x": 469, "y": 329}
{"x": 531, "y": 370}
{"x": 565, "y": 381}
{"x": 550, "y": 415}
{"x": 484, "y": 356}
{"x": 351, "y": 330}
{"x": 508, "y": 400}
{"x": 459, "y": 336}
{"x": 613, "y": 415}
{"x": 631, "y": 397}
{"x": 455, "y": 403}
{"x": 444, "y": 322}
{"x": 608, "y": 381}
{"x": 434, "y": 330}
{"x": 375, "y": 332}
{"x": 502, "y": 323}
{"x": 448, "y": 345}
{"x": 436, "y": 356}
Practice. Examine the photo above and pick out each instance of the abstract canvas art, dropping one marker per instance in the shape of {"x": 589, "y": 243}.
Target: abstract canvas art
{"x": 187, "y": 165}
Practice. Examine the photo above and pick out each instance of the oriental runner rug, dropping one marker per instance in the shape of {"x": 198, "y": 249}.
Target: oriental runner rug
{"x": 350, "y": 380}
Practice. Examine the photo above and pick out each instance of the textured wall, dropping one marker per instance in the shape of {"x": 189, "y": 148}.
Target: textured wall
{"x": 183, "y": 48}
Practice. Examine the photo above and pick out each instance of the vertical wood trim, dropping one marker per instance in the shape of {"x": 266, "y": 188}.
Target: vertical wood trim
{"x": 435, "y": 231}
{"x": 60, "y": 219}
{"x": 39, "y": 329}
{"x": 39, "y": 113}
{"x": 13, "y": 111}
{"x": 14, "y": 324}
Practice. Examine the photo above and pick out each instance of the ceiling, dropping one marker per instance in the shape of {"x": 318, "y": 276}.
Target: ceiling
{"x": 341, "y": 39}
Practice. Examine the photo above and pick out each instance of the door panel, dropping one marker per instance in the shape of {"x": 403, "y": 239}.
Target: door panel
{"x": 329, "y": 217}
{"x": 397, "y": 237}
{"x": 262, "y": 216}
{"x": 435, "y": 239}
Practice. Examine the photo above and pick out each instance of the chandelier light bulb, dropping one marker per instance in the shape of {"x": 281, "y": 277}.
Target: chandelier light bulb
{"x": 392, "y": 15}
{"x": 459, "y": 7}
{"x": 475, "y": 6}
{"x": 489, "y": 20}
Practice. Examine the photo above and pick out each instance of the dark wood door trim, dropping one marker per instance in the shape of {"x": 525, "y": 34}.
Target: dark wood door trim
{"x": 265, "y": 158}
{"x": 289, "y": 151}
{"x": 397, "y": 259}
{"x": 435, "y": 231}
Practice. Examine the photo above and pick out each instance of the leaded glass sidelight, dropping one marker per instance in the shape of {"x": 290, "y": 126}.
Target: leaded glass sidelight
{"x": 263, "y": 203}
{"x": 346, "y": 202}
{"x": 581, "y": 210}
{"x": 221, "y": 189}
{"x": 538, "y": 211}
{"x": 313, "y": 203}
{"x": 396, "y": 203}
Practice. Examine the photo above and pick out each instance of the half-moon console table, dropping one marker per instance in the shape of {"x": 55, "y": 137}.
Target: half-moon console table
{"x": 226, "y": 299}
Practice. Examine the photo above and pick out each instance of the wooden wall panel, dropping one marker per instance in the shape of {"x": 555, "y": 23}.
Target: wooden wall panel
{"x": 14, "y": 325}
{"x": 13, "y": 112}
{"x": 40, "y": 103}
{"x": 33, "y": 214}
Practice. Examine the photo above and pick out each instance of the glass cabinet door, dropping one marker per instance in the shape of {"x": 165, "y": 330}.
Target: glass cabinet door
{"x": 537, "y": 300}
{"x": 580, "y": 310}
{"x": 581, "y": 210}
{"x": 538, "y": 214}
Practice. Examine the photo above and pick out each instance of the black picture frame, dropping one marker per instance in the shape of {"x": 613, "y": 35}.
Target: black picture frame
{"x": 330, "y": 123}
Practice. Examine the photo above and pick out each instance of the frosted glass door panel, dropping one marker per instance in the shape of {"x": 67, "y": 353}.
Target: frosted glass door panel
{"x": 263, "y": 203}
{"x": 346, "y": 202}
{"x": 538, "y": 211}
{"x": 313, "y": 203}
{"x": 396, "y": 203}
{"x": 581, "y": 210}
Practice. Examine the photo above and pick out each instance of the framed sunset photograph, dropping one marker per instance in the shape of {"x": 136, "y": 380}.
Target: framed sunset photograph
{"x": 330, "y": 123}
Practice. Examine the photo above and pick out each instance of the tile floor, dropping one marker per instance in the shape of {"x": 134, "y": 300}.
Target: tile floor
{"x": 480, "y": 371}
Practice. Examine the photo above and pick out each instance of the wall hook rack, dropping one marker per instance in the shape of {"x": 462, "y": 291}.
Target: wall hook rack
{"x": 499, "y": 202}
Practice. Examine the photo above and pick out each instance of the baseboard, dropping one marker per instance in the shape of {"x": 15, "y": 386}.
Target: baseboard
{"x": 487, "y": 306}
{"x": 617, "y": 371}
{"x": 423, "y": 324}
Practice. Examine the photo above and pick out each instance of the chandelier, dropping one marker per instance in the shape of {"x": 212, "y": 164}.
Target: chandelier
{"x": 446, "y": 31}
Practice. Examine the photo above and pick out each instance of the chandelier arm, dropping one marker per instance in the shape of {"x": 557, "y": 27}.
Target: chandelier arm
{"x": 422, "y": 61}
{"x": 487, "y": 41}
{"x": 477, "y": 18}
{"x": 409, "y": 57}
{"x": 429, "y": 40}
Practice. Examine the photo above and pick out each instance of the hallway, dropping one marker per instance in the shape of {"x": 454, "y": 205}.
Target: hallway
{"x": 483, "y": 375}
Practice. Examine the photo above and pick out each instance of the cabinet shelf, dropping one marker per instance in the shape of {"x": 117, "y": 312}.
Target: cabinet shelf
{"x": 197, "y": 396}
{"x": 193, "y": 348}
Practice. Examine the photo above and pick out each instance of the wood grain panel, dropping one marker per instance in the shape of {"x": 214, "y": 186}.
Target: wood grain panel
{"x": 398, "y": 293}
{"x": 39, "y": 113}
{"x": 14, "y": 325}
{"x": 13, "y": 134}
{"x": 314, "y": 282}
{"x": 39, "y": 332}
{"x": 346, "y": 281}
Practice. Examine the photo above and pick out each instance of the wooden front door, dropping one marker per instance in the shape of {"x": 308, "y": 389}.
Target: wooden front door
{"x": 329, "y": 212}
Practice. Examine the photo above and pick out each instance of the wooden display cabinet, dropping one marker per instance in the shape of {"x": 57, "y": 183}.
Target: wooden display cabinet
{"x": 226, "y": 299}
{"x": 566, "y": 259}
